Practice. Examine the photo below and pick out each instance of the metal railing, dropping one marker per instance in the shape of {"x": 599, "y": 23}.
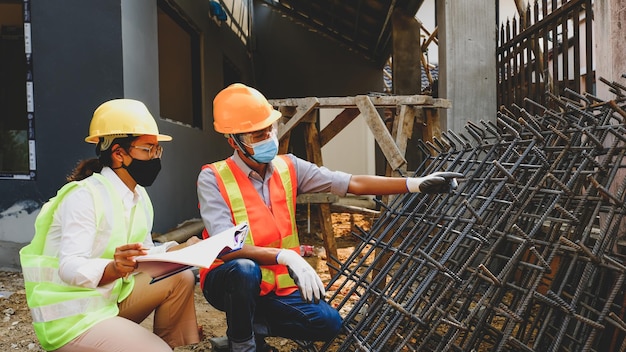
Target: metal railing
{"x": 548, "y": 49}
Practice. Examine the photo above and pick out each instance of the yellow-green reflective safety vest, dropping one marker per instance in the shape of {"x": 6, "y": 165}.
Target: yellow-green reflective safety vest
{"x": 60, "y": 311}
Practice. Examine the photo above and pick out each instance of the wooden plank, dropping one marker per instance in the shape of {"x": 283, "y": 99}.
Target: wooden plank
{"x": 433, "y": 125}
{"x": 330, "y": 245}
{"x": 287, "y": 111}
{"x": 340, "y": 121}
{"x": 285, "y": 137}
{"x": 302, "y": 110}
{"x": 314, "y": 155}
{"x": 283, "y": 146}
{"x": 353, "y": 209}
{"x": 356, "y": 201}
{"x": 313, "y": 147}
{"x": 403, "y": 127}
{"x": 316, "y": 198}
{"x": 381, "y": 134}
{"x": 379, "y": 100}
{"x": 401, "y": 131}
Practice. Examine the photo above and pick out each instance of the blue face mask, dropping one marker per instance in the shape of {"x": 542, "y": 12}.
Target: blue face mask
{"x": 265, "y": 151}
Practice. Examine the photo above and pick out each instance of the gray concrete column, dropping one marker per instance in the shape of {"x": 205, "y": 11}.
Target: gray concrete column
{"x": 467, "y": 61}
{"x": 609, "y": 37}
{"x": 140, "y": 47}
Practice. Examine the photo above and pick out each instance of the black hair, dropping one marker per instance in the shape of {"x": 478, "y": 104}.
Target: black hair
{"x": 86, "y": 168}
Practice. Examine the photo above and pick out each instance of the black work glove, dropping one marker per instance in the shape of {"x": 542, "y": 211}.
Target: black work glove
{"x": 437, "y": 182}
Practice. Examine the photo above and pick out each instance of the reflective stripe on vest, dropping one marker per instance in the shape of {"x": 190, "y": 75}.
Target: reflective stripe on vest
{"x": 279, "y": 233}
{"x": 60, "y": 311}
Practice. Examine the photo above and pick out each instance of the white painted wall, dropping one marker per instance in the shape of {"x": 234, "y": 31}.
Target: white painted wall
{"x": 352, "y": 150}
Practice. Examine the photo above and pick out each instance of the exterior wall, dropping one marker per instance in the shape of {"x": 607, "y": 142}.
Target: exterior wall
{"x": 174, "y": 192}
{"x": 85, "y": 53}
{"x": 77, "y": 59}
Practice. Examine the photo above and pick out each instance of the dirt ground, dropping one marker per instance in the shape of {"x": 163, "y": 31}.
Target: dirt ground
{"x": 16, "y": 333}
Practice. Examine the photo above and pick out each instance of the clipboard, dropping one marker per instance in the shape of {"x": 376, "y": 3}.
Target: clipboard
{"x": 201, "y": 254}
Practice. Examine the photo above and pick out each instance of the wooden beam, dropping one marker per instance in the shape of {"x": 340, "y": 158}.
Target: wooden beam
{"x": 316, "y": 198}
{"x": 403, "y": 127}
{"x": 287, "y": 111}
{"x": 314, "y": 154}
{"x": 283, "y": 146}
{"x": 285, "y": 138}
{"x": 432, "y": 37}
{"x": 381, "y": 101}
{"x": 340, "y": 121}
{"x": 386, "y": 143}
{"x": 433, "y": 125}
{"x": 302, "y": 110}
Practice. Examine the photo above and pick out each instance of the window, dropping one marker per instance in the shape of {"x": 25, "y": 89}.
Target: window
{"x": 180, "y": 77}
{"x": 17, "y": 143}
{"x": 239, "y": 18}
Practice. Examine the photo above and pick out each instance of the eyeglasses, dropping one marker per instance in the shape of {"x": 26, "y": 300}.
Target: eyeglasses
{"x": 251, "y": 138}
{"x": 154, "y": 151}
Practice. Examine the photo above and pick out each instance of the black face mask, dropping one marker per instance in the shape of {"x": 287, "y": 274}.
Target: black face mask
{"x": 144, "y": 172}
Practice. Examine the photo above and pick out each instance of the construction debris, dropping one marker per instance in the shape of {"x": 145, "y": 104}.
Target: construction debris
{"x": 526, "y": 255}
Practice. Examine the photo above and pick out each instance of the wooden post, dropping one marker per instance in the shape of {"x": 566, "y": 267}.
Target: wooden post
{"x": 393, "y": 155}
{"x": 314, "y": 154}
{"x": 433, "y": 125}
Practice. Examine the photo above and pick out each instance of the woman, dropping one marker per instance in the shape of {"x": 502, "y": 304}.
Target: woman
{"x": 79, "y": 269}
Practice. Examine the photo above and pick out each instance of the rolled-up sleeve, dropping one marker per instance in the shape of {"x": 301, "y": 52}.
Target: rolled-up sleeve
{"x": 316, "y": 179}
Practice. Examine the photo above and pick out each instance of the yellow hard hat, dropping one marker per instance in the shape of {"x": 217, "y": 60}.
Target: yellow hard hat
{"x": 240, "y": 109}
{"x": 123, "y": 117}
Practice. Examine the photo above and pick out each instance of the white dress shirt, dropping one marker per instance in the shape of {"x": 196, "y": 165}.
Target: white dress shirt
{"x": 73, "y": 236}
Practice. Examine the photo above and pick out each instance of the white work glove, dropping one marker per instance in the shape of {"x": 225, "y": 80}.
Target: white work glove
{"x": 311, "y": 287}
{"x": 437, "y": 182}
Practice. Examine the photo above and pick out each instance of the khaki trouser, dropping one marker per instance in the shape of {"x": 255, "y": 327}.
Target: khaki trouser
{"x": 172, "y": 301}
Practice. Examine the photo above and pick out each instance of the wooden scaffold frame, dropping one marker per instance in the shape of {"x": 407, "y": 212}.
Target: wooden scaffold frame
{"x": 412, "y": 111}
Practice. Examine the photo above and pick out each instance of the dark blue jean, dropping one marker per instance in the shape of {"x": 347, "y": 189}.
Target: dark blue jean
{"x": 233, "y": 288}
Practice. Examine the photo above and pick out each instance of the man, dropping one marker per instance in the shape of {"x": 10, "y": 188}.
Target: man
{"x": 267, "y": 288}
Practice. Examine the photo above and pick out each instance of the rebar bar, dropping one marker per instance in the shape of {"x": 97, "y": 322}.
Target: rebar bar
{"x": 527, "y": 254}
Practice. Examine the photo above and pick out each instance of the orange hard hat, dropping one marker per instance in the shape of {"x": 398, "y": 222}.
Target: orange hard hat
{"x": 240, "y": 109}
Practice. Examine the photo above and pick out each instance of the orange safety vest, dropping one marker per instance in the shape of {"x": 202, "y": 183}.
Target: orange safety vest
{"x": 275, "y": 227}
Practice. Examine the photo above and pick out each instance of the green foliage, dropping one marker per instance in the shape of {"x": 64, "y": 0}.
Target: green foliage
{"x": 13, "y": 151}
